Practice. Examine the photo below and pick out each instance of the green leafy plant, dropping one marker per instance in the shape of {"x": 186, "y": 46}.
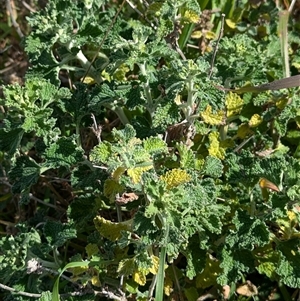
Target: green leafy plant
{"x": 153, "y": 170}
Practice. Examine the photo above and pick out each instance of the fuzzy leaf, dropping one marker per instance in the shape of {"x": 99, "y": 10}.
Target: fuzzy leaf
{"x": 191, "y": 16}
{"x": 233, "y": 264}
{"x": 101, "y": 153}
{"x": 215, "y": 149}
{"x": 117, "y": 173}
{"x": 64, "y": 152}
{"x": 208, "y": 276}
{"x": 249, "y": 232}
{"x": 46, "y": 296}
{"x": 10, "y": 140}
{"x": 24, "y": 174}
{"x": 10, "y": 265}
{"x": 127, "y": 266}
{"x": 255, "y": 121}
{"x": 187, "y": 159}
{"x": 110, "y": 230}
{"x": 77, "y": 106}
{"x": 267, "y": 261}
{"x": 139, "y": 277}
{"x": 244, "y": 131}
{"x": 91, "y": 249}
{"x": 134, "y": 97}
{"x": 137, "y": 172}
{"x": 123, "y": 136}
{"x": 234, "y": 104}
{"x": 82, "y": 210}
{"x": 288, "y": 267}
{"x": 155, "y": 145}
{"x": 57, "y": 233}
{"x": 112, "y": 188}
{"x": 86, "y": 179}
{"x": 212, "y": 118}
{"x": 213, "y": 167}
{"x": 175, "y": 177}
{"x": 32, "y": 104}
{"x": 195, "y": 262}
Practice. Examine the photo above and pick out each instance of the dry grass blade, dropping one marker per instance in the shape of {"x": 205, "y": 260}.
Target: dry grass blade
{"x": 285, "y": 83}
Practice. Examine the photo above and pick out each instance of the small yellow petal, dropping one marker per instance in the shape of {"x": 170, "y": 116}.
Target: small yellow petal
{"x": 210, "y": 35}
{"x": 281, "y": 104}
{"x": 292, "y": 216}
{"x": 168, "y": 286}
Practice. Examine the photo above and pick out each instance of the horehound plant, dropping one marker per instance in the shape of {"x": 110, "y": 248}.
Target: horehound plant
{"x": 186, "y": 184}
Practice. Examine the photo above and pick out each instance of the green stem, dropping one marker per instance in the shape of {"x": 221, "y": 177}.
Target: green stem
{"x": 44, "y": 263}
{"x": 159, "y": 292}
{"x": 284, "y": 292}
{"x": 252, "y": 203}
{"x": 123, "y": 118}
{"x": 161, "y": 275}
{"x": 223, "y": 132}
{"x": 78, "y": 140}
{"x": 185, "y": 35}
{"x": 86, "y": 64}
{"x": 203, "y": 4}
{"x": 189, "y": 107}
{"x": 119, "y": 111}
{"x": 147, "y": 89}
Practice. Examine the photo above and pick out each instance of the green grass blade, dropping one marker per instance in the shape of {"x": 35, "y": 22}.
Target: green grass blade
{"x": 55, "y": 291}
{"x": 159, "y": 292}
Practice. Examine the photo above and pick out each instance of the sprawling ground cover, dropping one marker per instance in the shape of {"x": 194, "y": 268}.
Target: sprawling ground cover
{"x": 151, "y": 151}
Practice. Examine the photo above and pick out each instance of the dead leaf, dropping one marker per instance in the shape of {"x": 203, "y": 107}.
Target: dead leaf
{"x": 126, "y": 197}
{"x": 247, "y": 289}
